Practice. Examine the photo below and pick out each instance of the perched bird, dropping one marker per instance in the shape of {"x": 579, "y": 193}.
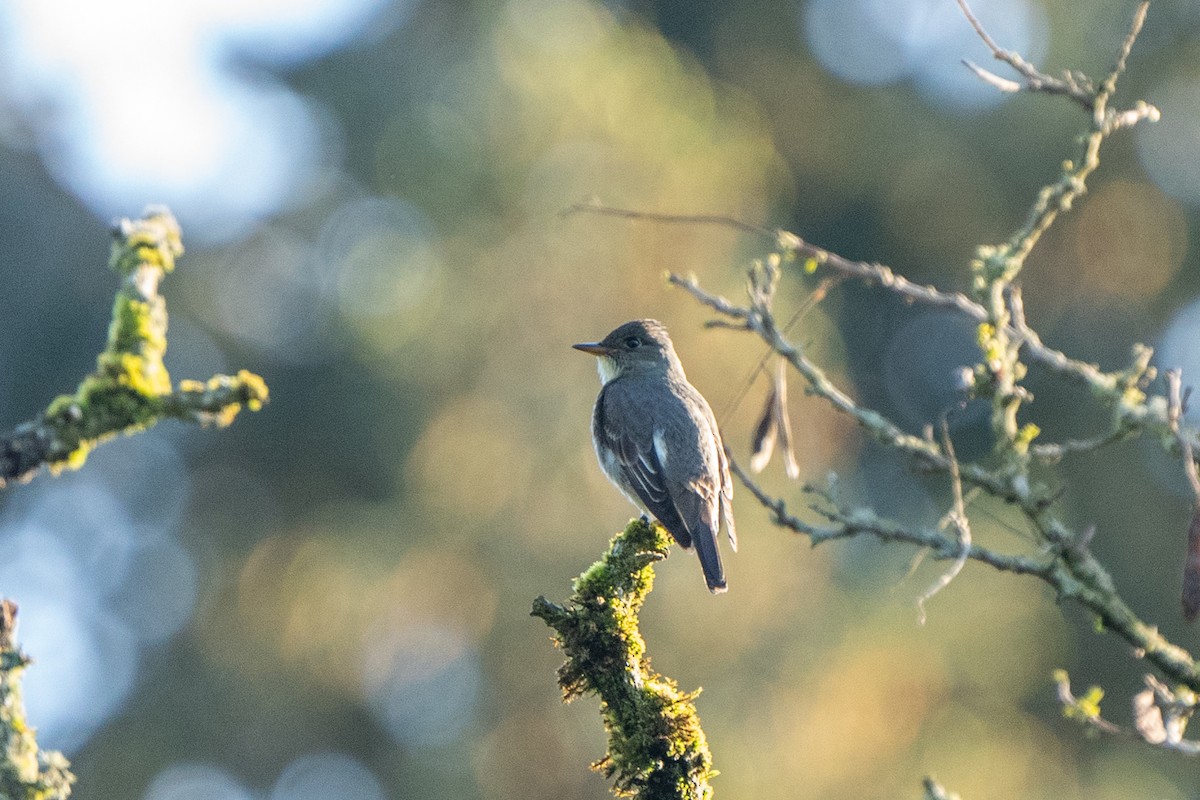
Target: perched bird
{"x": 657, "y": 440}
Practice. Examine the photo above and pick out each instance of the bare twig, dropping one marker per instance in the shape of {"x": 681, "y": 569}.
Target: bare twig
{"x": 684, "y": 219}
{"x": 1175, "y": 411}
{"x": 848, "y": 523}
{"x": 1109, "y": 84}
{"x": 1073, "y": 85}
{"x": 1053, "y": 452}
{"x": 1085, "y": 709}
{"x": 1069, "y": 85}
{"x": 1002, "y": 84}
{"x": 876, "y": 275}
{"x": 958, "y": 518}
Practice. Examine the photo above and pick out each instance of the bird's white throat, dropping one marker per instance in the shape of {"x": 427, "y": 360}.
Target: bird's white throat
{"x": 608, "y": 369}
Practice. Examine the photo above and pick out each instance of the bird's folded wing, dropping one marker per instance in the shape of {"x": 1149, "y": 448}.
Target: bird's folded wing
{"x": 644, "y": 473}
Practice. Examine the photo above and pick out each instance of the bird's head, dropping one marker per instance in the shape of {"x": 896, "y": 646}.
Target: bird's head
{"x": 642, "y": 345}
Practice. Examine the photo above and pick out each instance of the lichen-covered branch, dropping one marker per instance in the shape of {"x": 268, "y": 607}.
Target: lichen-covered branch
{"x": 130, "y": 389}
{"x": 656, "y": 747}
{"x": 1073, "y": 571}
{"x": 26, "y": 773}
{"x": 1065, "y": 561}
{"x": 996, "y": 267}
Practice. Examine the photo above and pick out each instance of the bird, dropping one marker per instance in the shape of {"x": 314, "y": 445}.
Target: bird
{"x": 656, "y": 439}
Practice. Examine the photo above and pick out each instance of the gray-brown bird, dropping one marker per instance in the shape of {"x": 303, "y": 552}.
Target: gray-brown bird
{"x": 657, "y": 441}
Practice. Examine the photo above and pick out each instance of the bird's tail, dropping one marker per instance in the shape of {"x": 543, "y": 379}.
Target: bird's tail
{"x": 705, "y": 540}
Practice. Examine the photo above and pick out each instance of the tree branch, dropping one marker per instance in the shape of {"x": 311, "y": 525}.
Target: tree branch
{"x": 656, "y": 747}
{"x": 130, "y": 390}
{"x": 26, "y": 773}
{"x": 1073, "y": 571}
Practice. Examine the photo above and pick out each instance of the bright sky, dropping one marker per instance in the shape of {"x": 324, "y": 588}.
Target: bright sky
{"x": 140, "y": 101}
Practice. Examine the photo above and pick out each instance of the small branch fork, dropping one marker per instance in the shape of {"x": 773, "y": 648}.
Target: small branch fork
{"x": 995, "y": 268}
{"x": 1074, "y": 85}
{"x": 130, "y": 389}
{"x": 1160, "y": 713}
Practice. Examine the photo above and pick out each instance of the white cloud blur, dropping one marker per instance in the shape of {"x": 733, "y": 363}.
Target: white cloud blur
{"x": 138, "y": 101}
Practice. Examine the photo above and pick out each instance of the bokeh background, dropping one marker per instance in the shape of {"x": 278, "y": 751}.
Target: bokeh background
{"x": 330, "y": 599}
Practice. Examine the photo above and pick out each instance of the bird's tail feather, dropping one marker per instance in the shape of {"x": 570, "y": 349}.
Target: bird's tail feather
{"x": 705, "y": 540}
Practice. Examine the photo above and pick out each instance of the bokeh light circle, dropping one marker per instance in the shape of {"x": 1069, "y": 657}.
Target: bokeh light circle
{"x": 326, "y": 776}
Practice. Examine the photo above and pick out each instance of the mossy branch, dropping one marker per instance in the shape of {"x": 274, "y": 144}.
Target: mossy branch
{"x": 130, "y": 389}
{"x": 26, "y": 773}
{"x": 656, "y": 747}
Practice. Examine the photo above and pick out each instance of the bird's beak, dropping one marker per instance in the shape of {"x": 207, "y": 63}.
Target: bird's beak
{"x": 595, "y": 348}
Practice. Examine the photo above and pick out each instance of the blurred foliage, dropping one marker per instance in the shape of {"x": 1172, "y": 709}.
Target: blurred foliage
{"x": 369, "y": 548}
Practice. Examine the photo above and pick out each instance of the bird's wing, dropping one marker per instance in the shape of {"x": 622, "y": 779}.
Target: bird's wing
{"x": 717, "y": 485}
{"x": 726, "y": 494}
{"x": 640, "y": 464}
{"x": 696, "y": 485}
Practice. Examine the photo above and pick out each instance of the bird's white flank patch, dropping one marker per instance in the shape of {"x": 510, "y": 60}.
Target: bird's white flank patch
{"x": 660, "y": 446}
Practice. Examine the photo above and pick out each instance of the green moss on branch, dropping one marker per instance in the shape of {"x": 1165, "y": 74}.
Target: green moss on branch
{"x": 656, "y": 747}
{"x": 130, "y": 389}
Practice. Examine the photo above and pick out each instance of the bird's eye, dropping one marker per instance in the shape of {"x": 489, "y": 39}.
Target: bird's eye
{"x": 632, "y": 342}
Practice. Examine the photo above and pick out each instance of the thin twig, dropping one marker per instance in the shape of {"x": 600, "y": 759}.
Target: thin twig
{"x": 1175, "y": 412}
{"x": 874, "y": 423}
{"x": 1035, "y": 80}
{"x": 860, "y": 521}
{"x": 877, "y": 275}
{"x": 1054, "y": 452}
{"x": 1109, "y": 85}
{"x": 818, "y": 294}
{"x": 991, "y": 78}
{"x": 958, "y": 518}
{"x": 1086, "y": 710}
{"x": 684, "y": 219}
